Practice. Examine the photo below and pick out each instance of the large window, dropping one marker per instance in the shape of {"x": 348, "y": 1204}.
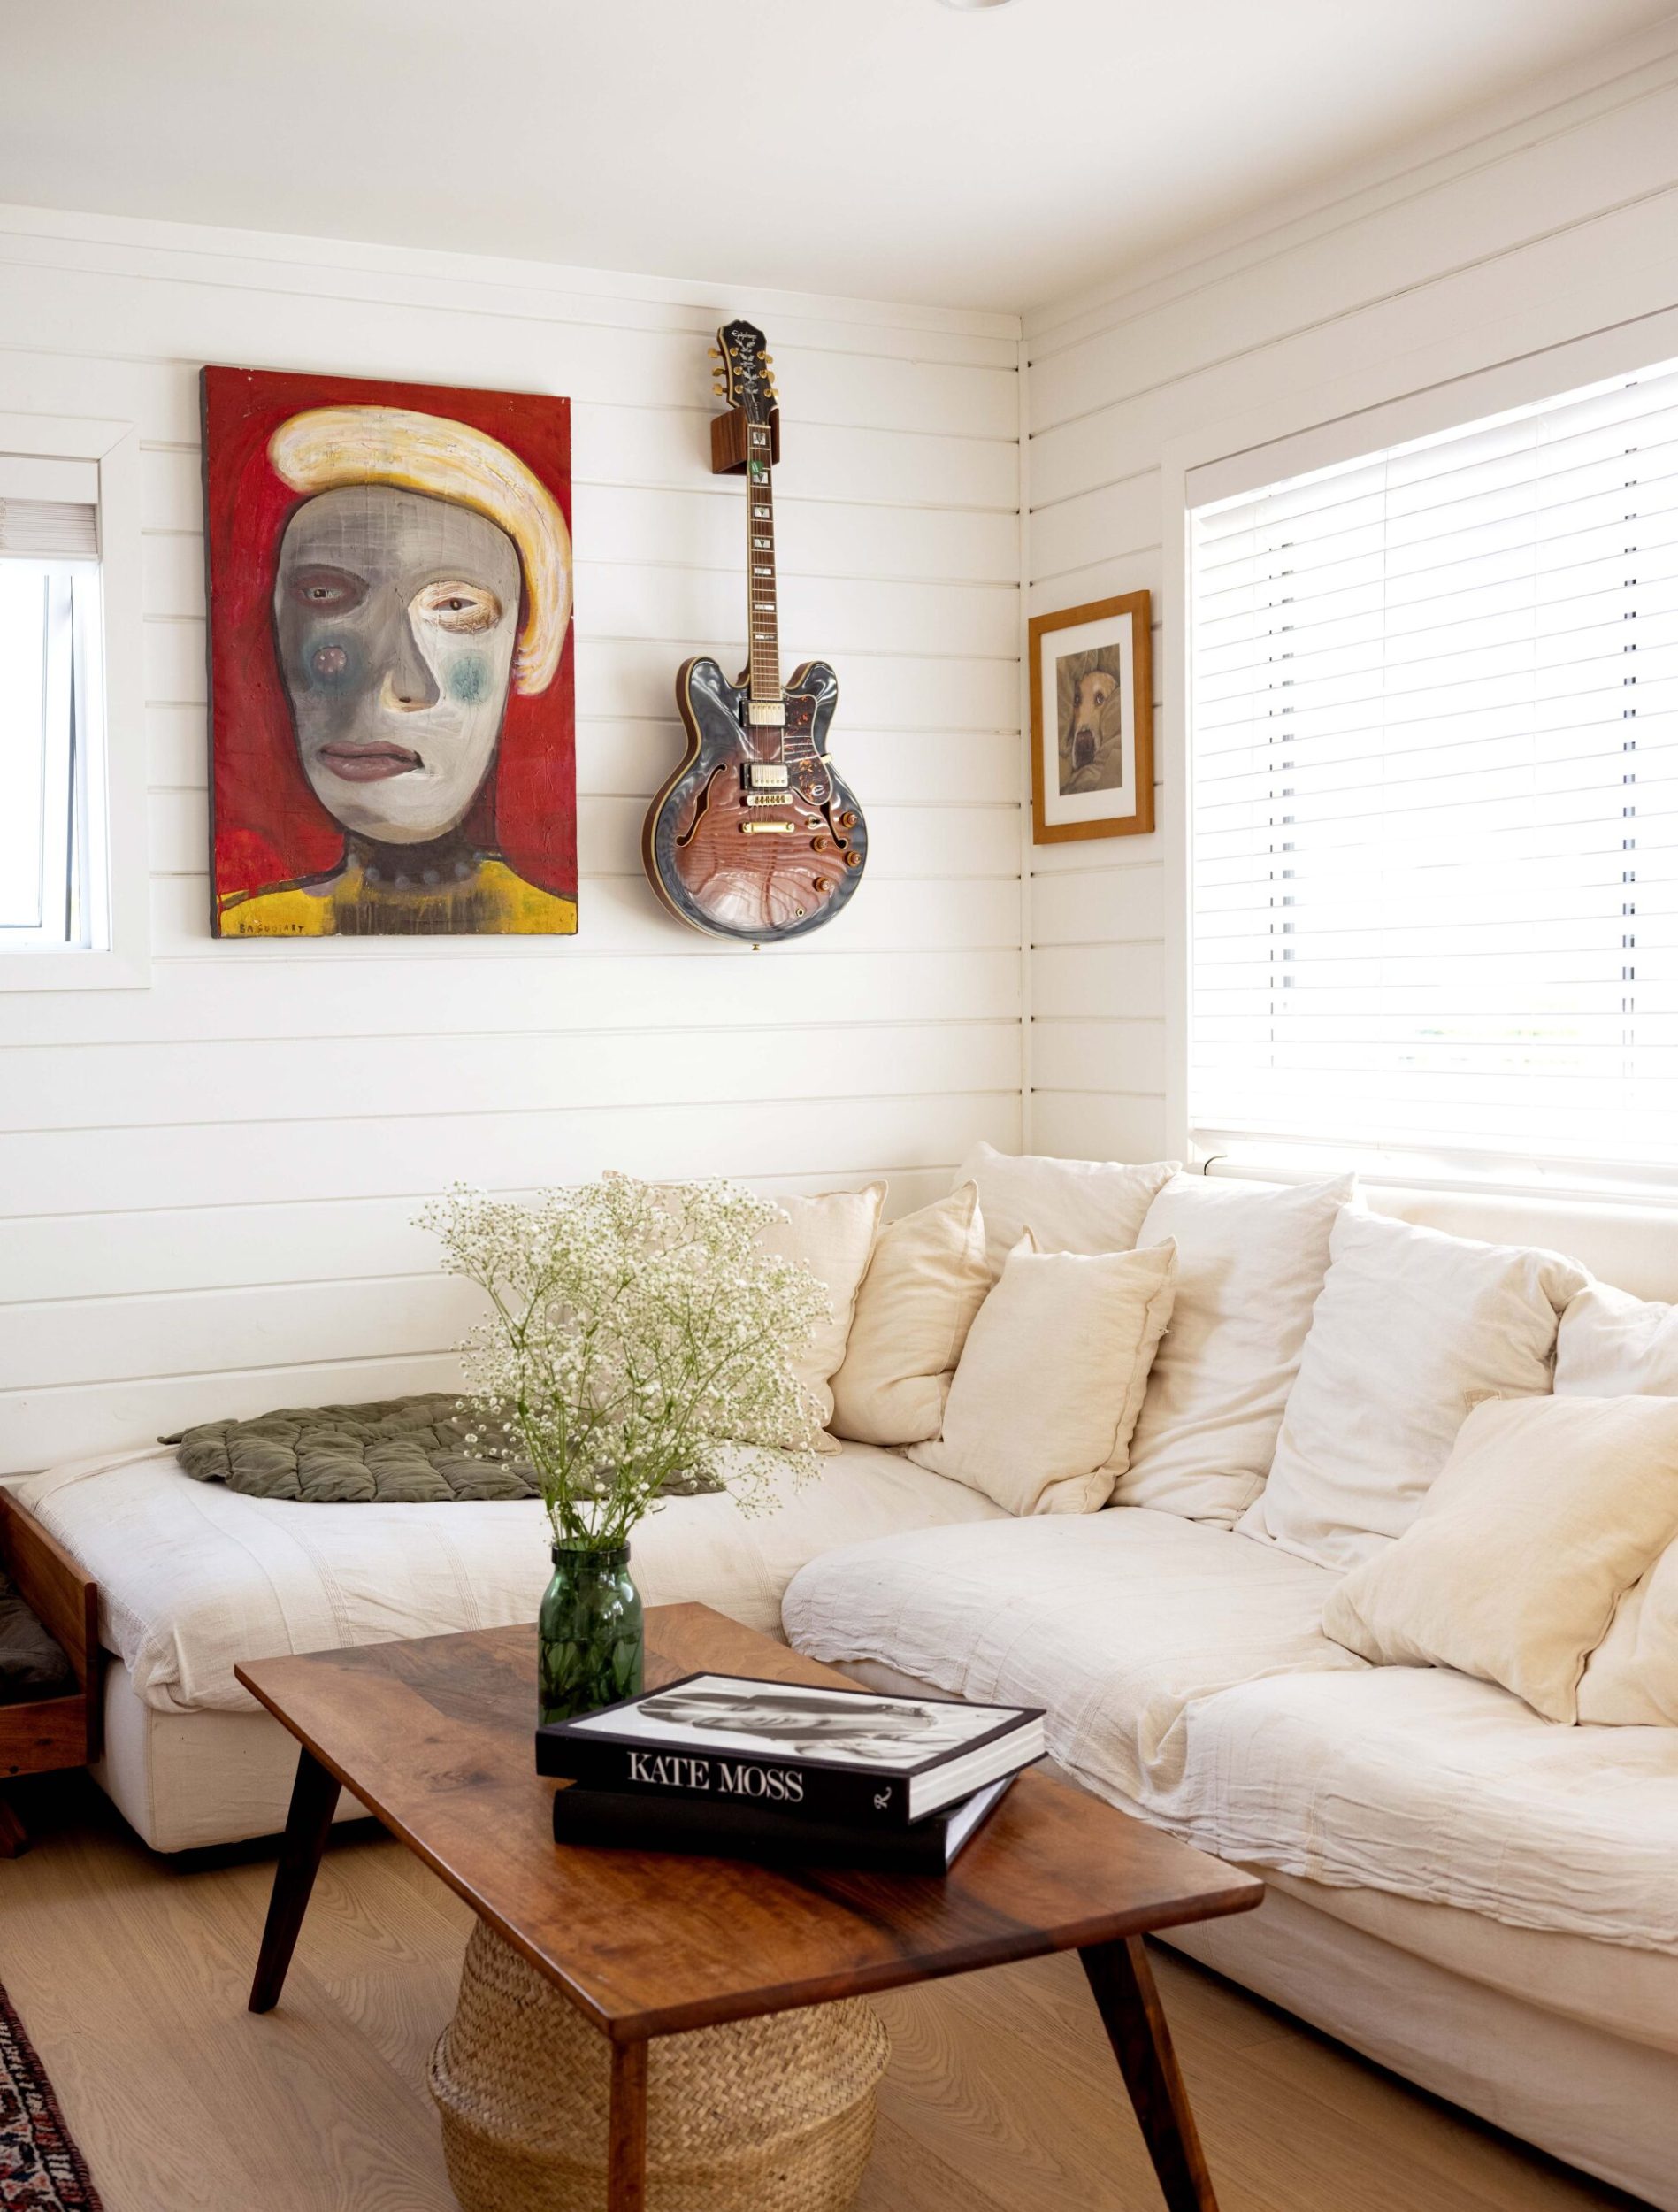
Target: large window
{"x": 52, "y": 872}
{"x": 1434, "y": 796}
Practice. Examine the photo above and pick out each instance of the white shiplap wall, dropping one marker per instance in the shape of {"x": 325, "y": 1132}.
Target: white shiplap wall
{"x": 1558, "y": 217}
{"x": 206, "y": 1187}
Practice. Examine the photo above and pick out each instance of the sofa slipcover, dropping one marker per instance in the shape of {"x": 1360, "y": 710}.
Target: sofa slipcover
{"x": 1186, "y": 1674}
{"x": 1420, "y": 1781}
{"x": 1118, "y": 1622}
{"x": 194, "y": 1578}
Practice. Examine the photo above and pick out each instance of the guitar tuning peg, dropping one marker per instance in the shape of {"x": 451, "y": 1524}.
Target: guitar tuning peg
{"x": 715, "y": 352}
{"x": 768, "y": 358}
{"x": 721, "y": 390}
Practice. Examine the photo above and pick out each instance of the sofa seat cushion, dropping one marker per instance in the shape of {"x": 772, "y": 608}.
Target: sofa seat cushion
{"x": 1430, "y": 1784}
{"x": 194, "y": 1577}
{"x": 1119, "y": 1623}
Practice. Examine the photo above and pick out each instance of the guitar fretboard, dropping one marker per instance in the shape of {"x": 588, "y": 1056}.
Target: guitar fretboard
{"x": 764, "y": 661}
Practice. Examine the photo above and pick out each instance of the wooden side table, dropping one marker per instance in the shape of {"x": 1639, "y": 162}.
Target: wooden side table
{"x": 435, "y": 1737}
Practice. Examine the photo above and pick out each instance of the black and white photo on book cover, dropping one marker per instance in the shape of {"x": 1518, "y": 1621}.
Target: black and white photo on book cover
{"x": 724, "y": 1713}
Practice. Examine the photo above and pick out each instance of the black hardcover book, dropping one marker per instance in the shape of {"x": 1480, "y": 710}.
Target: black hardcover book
{"x": 719, "y": 1828}
{"x": 848, "y": 1757}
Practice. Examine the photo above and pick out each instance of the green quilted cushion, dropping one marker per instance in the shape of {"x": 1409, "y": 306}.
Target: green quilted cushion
{"x": 399, "y": 1451}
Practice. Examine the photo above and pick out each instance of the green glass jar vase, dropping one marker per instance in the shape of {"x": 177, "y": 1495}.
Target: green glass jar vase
{"x": 590, "y": 1643}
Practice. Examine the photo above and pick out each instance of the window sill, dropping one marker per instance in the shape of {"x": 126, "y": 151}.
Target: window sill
{"x": 71, "y": 970}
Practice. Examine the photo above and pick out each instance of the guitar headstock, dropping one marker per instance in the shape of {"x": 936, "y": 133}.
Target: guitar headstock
{"x": 748, "y": 385}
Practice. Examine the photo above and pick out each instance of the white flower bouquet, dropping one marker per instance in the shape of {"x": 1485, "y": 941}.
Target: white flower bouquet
{"x": 635, "y": 1330}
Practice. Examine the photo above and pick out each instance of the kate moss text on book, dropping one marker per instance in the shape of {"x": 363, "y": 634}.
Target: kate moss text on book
{"x": 734, "y": 1777}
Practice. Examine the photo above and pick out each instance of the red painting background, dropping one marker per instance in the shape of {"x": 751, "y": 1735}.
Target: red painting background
{"x": 269, "y": 825}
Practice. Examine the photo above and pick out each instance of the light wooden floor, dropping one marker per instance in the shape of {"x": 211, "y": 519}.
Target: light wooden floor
{"x": 131, "y": 1976}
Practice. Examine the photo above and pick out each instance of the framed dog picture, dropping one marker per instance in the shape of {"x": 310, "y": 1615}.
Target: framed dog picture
{"x": 1093, "y": 720}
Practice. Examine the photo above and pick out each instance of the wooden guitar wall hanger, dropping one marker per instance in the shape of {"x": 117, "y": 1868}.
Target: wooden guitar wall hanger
{"x": 754, "y": 836}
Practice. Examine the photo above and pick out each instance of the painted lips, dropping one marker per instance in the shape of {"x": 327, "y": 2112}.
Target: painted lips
{"x": 368, "y": 764}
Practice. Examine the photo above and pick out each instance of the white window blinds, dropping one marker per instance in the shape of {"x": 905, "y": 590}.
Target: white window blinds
{"x": 1433, "y": 818}
{"x": 49, "y": 507}
{"x": 48, "y": 530}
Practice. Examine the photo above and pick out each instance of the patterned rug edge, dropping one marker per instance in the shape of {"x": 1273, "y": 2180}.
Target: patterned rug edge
{"x": 40, "y": 2168}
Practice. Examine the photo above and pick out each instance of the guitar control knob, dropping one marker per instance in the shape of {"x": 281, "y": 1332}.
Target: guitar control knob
{"x": 847, "y": 820}
{"x": 818, "y": 844}
{"x": 821, "y": 887}
{"x": 853, "y": 860}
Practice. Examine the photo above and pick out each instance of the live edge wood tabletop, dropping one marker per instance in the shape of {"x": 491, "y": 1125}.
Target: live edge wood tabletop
{"x": 435, "y": 1738}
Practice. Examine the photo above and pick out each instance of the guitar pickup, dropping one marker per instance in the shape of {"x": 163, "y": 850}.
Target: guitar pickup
{"x": 766, "y": 713}
{"x": 767, "y": 775}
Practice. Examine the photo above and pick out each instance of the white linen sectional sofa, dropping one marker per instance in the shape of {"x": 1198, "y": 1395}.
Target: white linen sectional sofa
{"x": 1485, "y": 1900}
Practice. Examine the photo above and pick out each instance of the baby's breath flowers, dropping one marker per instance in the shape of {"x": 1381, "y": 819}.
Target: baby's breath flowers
{"x": 639, "y": 1336}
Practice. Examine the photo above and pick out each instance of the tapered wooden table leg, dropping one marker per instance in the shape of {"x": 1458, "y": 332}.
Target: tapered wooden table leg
{"x": 627, "y": 2151}
{"x": 314, "y": 1799}
{"x": 1134, "y": 2018}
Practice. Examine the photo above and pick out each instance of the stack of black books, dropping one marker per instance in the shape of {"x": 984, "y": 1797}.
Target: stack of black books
{"x": 741, "y": 1768}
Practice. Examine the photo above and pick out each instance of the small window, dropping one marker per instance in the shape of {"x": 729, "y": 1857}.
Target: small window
{"x": 53, "y": 892}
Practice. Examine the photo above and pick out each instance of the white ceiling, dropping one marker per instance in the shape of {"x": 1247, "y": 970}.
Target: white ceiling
{"x": 888, "y": 147}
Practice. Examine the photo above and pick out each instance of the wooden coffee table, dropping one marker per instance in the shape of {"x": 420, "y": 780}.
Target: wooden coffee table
{"x": 434, "y": 1737}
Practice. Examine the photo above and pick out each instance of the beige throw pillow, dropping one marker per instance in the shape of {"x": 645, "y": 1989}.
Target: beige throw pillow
{"x": 1546, "y": 1512}
{"x": 927, "y": 1280}
{"x": 1411, "y": 1330}
{"x": 1612, "y": 1345}
{"x": 1052, "y": 1375}
{"x": 1250, "y": 1260}
{"x": 833, "y": 1236}
{"x": 1067, "y": 1205}
{"x": 1631, "y": 1679}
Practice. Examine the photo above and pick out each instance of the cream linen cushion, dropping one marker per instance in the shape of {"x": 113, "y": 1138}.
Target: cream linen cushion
{"x": 927, "y": 1280}
{"x": 1052, "y": 1376}
{"x": 1412, "y": 1329}
{"x": 833, "y": 1236}
{"x": 1546, "y": 1511}
{"x": 1250, "y": 1260}
{"x": 1067, "y": 1205}
{"x": 1631, "y": 1679}
{"x": 1613, "y": 1345}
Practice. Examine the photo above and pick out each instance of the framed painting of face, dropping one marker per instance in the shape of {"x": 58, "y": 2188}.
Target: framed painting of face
{"x": 1093, "y": 720}
{"x": 393, "y": 736}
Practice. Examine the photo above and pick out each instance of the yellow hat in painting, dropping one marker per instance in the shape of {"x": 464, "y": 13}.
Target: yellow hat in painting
{"x": 329, "y": 446}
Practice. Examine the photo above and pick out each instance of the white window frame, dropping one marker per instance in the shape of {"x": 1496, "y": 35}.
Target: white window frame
{"x": 1412, "y": 395}
{"x": 115, "y": 766}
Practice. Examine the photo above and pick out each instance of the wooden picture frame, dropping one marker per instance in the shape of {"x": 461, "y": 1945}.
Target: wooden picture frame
{"x": 1093, "y": 720}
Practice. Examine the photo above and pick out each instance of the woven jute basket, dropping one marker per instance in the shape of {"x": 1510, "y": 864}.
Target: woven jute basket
{"x": 760, "y": 2116}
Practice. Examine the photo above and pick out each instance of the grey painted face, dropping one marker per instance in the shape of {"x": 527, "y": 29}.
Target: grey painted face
{"x": 396, "y": 615}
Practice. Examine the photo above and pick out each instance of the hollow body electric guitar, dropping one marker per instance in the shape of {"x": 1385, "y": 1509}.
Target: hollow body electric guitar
{"x": 754, "y": 836}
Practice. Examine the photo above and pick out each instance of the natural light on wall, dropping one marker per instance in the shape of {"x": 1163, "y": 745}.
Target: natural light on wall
{"x": 52, "y": 873}
{"x": 1434, "y": 843}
